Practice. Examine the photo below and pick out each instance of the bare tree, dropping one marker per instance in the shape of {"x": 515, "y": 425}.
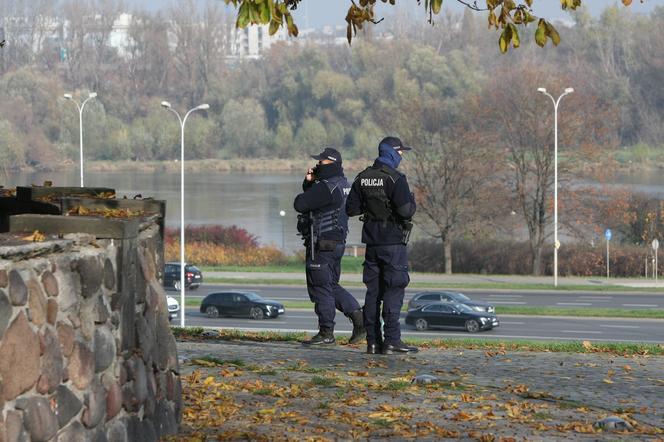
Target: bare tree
{"x": 521, "y": 123}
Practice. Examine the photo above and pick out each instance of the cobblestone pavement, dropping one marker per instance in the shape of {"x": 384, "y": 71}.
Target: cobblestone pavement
{"x": 280, "y": 391}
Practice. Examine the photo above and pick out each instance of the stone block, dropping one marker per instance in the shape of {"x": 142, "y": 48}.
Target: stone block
{"x": 146, "y": 338}
{"x": 74, "y": 432}
{"x": 129, "y": 400}
{"x": 81, "y": 367}
{"x": 36, "y": 303}
{"x": 38, "y": 418}
{"x": 127, "y": 325}
{"x": 19, "y": 364}
{"x": 51, "y": 364}
{"x": 117, "y": 432}
{"x": 99, "y": 227}
{"x": 66, "y": 338}
{"x": 3, "y": 278}
{"x": 6, "y": 311}
{"x": 104, "y": 348}
{"x": 51, "y": 311}
{"x": 166, "y": 357}
{"x": 109, "y": 275}
{"x": 101, "y": 312}
{"x": 95, "y": 403}
{"x": 50, "y": 283}
{"x": 113, "y": 400}
{"x": 141, "y": 430}
{"x": 164, "y": 419}
{"x": 67, "y": 405}
{"x": 18, "y": 291}
{"x": 90, "y": 272}
{"x": 16, "y": 432}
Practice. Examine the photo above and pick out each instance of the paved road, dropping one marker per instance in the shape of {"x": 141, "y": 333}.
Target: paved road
{"x": 512, "y": 327}
{"x": 581, "y": 299}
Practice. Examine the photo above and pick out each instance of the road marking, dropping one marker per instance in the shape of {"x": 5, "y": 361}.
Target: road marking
{"x": 573, "y": 303}
{"x": 507, "y": 302}
{"x": 583, "y": 332}
{"x": 511, "y": 323}
{"x": 620, "y": 326}
{"x": 640, "y": 305}
{"x": 596, "y": 298}
{"x": 505, "y": 296}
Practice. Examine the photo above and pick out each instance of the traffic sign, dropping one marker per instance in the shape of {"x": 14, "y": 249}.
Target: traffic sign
{"x": 608, "y": 234}
{"x": 655, "y": 244}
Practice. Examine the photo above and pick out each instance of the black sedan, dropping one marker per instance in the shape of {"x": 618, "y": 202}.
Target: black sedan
{"x": 424, "y": 298}
{"x": 242, "y": 304}
{"x": 192, "y": 276}
{"x": 445, "y": 314}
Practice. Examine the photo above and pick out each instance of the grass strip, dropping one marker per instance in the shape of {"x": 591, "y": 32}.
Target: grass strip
{"x": 525, "y": 311}
{"x": 582, "y": 312}
{"x": 442, "y": 286}
{"x": 617, "y": 348}
{"x": 349, "y": 264}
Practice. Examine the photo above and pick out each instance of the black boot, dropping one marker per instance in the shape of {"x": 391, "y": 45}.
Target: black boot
{"x": 359, "y": 332}
{"x": 398, "y": 348}
{"x": 374, "y": 349}
{"x": 325, "y": 336}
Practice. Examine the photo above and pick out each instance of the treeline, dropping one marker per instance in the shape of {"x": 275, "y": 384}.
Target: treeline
{"x": 297, "y": 96}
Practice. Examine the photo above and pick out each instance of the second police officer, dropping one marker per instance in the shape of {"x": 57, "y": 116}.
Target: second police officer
{"x": 324, "y": 225}
{"x": 381, "y": 195}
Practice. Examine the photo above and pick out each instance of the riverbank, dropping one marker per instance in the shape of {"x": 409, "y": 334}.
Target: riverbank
{"x": 204, "y": 165}
{"x": 625, "y": 161}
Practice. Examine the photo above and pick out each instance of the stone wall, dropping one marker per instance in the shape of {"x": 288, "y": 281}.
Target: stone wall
{"x": 86, "y": 350}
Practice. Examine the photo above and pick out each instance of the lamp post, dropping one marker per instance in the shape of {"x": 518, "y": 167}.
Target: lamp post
{"x": 69, "y": 97}
{"x": 556, "y": 243}
{"x": 182, "y": 121}
{"x": 282, "y": 214}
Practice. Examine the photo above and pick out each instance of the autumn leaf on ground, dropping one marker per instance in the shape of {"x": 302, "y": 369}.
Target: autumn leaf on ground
{"x": 608, "y": 381}
{"x": 587, "y": 345}
{"x": 358, "y": 373}
{"x": 36, "y": 236}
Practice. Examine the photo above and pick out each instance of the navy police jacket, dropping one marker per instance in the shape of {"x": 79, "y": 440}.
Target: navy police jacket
{"x": 400, "y": 204}
{"x": 325, "y": 198}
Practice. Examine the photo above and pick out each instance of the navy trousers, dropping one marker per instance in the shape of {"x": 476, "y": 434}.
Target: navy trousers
{"x": 386, "y": 277}
{"x": 323, "y": 274}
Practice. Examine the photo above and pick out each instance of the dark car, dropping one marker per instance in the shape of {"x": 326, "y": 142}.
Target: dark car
{"x": 445, "y": 314}
{"x": 454, "y": 297}
{"x": 192, "y": 275}
{"x": 243, "y": 304}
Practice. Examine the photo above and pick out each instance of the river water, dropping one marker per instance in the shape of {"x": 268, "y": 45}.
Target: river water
{"x": 249, "y": 200}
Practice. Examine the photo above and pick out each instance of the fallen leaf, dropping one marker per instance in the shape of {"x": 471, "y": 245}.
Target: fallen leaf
{"x": 36, "y": 236}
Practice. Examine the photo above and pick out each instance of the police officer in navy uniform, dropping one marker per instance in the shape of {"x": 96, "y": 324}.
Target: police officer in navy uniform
{"x": 381, "y": 195}
{"x": 324, "y": 224}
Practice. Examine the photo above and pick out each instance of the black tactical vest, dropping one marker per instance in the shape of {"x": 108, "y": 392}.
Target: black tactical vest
{"x": 327, "y": 220}
{"x": 373, "y": 186}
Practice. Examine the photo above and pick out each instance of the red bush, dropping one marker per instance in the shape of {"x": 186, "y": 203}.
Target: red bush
{"x": 232, "y": 236}
{"x": 509, "y": 258}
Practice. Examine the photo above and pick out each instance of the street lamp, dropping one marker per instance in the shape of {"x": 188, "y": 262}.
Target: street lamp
{"x": 556, "y": 243}
{"x": 69, "y": 97}
{"x": 182, "y": 121}
{"x": 282, "y": 214}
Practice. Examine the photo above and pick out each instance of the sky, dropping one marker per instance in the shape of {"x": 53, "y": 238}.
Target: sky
{"x": 319, "y": 13}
